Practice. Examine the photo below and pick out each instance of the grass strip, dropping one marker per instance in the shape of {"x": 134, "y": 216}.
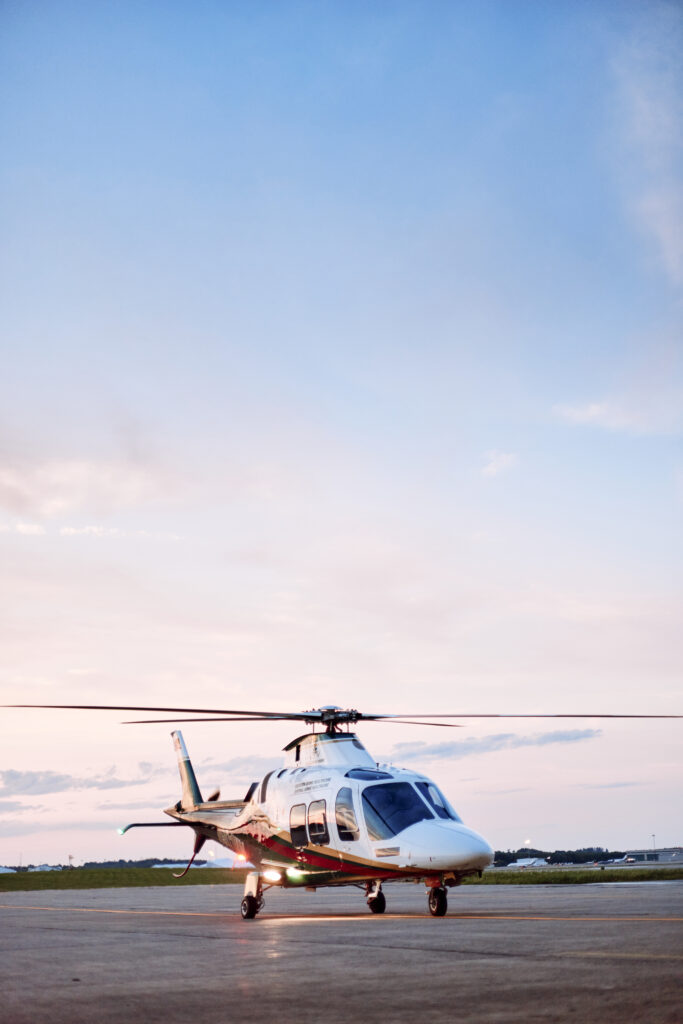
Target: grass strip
{"x": 576, "y": 876}
{"x": 125, "y": 878}
{"x": 116, "y": 878}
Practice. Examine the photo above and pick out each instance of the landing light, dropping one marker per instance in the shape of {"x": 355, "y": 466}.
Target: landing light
{"x": 295, "y": 873}
{"x": 240, "y": 856}
{"x": 272, "y": 876}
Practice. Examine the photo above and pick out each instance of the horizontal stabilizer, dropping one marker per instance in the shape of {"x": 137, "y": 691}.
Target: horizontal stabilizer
{"x": 152, "y": 824}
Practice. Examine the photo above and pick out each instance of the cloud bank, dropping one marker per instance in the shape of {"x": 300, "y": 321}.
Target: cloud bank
{"x": 36, "y": 783}
{"x": 56, "y": 487}
{"x": 487, "y": 744}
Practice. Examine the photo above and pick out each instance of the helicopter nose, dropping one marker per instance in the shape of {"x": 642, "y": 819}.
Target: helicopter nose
{"x": 449, "y": 847}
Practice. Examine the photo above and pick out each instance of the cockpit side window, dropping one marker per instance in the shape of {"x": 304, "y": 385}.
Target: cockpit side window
{"x": 297, "y": 825}
{"x": 390, "y": 808}
{"x": 347, "y": 825}
{"x": 437, "y": 801}
{"x": 317, "y": 823}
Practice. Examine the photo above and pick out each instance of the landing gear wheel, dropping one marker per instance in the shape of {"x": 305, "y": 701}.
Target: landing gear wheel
{"x": 379, "y": 904}
{"x": 250, "y": 907}
{"x": 438, "y": 902}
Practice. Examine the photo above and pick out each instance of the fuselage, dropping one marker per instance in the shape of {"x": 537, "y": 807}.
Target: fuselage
{"x": 332, "y": 816}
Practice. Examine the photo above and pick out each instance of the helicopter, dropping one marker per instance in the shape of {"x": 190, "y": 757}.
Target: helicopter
{"x": 332, "y": 815}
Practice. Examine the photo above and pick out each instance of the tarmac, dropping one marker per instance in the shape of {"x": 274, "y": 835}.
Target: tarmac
{"x": 504, "y": 953}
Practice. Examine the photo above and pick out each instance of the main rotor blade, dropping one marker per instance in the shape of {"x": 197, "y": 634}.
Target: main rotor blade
{"x": 179, "y": 721}
{"x": 278, "y": 718}
{"x": 492, "y": 715}
{"x": 382, "y": 719}
{"x": 401, "y": 721}
{"x": 323, "y": 715}
{"x": 296, "y": 715}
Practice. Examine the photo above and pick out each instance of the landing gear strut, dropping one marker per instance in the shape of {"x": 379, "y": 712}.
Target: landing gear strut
{"x": 253, "y": 896}
{"x": 375, "y": 897}
{"x": 438, "y": 901}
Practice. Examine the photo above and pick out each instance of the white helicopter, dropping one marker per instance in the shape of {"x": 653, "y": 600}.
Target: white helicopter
{"x": 331, "y": 815}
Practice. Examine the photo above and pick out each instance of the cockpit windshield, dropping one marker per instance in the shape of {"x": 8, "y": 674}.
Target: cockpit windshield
{"x": 437, "y": 801}
{"x": 391, "y": 807}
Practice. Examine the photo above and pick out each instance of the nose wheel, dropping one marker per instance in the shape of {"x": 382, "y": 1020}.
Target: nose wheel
{"x": 379, "y": 904}
{"x": 376, "y": 899}
{"x": 438, "y": 901}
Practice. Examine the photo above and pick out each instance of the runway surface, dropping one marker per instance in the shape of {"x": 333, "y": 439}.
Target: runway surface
{"x": 607, "y": 953}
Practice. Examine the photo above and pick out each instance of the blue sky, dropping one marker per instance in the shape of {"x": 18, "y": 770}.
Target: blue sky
{"x": 342, "y": 363}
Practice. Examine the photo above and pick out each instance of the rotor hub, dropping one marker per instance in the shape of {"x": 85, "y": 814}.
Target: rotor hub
{"x": 332, "y": 716}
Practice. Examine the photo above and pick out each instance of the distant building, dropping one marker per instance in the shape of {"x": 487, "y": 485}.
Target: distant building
{"x": 228, "y": 862}
{"x": 179, "y": 864}
{"x": 215, "y": 862}
{"x": 668, "y": 855}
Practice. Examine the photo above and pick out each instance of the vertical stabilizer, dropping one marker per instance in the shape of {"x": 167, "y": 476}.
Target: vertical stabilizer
{"x": 191, "y": 795}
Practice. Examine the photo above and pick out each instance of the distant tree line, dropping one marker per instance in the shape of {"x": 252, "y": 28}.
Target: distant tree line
{"x": 148, "y": 862}
{"x": 586, "y": 855}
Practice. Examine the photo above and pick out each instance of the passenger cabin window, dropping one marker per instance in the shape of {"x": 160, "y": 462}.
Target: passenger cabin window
{"x": 317, "y": 823}
{"x": 437, "y": 801}
{"x": 390, "y": 808}
{"x": 297, "y": 825}
{"x": 347, "y": 825}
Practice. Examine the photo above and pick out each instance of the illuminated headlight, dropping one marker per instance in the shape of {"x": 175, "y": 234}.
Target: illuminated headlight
{"x": 295, "y": 873}
{"x": 272, "y": 876}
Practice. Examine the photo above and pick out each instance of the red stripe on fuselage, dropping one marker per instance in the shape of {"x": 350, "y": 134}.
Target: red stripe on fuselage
{"x": 305, "y": 856}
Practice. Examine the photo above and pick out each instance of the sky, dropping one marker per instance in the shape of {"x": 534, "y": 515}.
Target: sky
{"x": 341, "y": 363}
